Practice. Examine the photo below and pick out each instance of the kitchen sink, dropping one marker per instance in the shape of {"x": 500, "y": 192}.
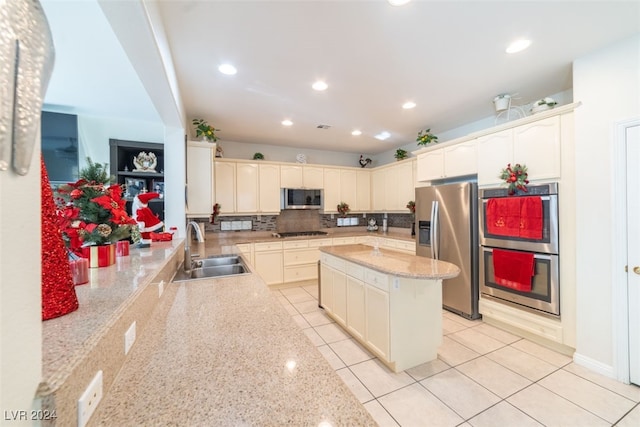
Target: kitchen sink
{"x": 213, "y": 267}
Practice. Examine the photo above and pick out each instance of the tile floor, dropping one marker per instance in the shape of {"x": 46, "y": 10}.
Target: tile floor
{"x": 483, "y": 377}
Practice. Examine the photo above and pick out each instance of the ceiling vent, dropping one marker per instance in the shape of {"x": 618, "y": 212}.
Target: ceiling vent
{"x": 323, "y": 126}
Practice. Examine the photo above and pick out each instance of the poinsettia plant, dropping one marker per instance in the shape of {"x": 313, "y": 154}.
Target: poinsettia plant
{"x": 515, "y": 177}
{"x": 343, "y": 208}
{"x": 91, "y": 212}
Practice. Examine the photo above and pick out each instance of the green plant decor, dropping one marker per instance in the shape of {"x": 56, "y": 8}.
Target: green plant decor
{"x": 205, "y": 130}
{"x": 258, "y": 156}
{"x": 426, "y": 137}
{"x": 401, "y": 154}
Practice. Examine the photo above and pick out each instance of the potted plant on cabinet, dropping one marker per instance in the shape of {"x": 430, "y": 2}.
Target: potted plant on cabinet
{"x": 400, "y": 154}
{"x": 425, "y": 137}
{"x": 204, "y": 130}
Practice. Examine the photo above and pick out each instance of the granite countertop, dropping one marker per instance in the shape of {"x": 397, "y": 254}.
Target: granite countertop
{"x": 395, "y": 263}
{"x": 225, "y": 352}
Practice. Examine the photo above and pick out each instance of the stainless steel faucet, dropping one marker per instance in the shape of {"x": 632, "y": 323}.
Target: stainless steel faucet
{"x": 191, "y": 225}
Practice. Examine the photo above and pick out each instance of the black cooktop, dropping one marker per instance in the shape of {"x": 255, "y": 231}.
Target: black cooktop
{"x": 301, "y": 233}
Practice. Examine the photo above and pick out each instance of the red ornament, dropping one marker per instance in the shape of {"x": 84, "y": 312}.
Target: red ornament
{"x": 58, "y": 293}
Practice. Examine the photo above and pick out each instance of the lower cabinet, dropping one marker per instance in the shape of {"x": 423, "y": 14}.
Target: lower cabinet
{"x": 377, "y": 321}
{"x": 339, "y": 283}
{"x": 326, "y": 287}
{"x": 268, "y": 261}
{"x": 355, "y": 307}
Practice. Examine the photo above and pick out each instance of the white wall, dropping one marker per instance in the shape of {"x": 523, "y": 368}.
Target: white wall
{"x": 607, "y": 82}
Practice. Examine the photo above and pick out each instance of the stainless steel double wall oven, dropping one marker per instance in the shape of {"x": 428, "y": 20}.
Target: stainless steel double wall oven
{"x": 544, "y": 297}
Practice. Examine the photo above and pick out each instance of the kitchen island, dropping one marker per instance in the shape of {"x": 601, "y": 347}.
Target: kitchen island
{"x": 389, "y": 301}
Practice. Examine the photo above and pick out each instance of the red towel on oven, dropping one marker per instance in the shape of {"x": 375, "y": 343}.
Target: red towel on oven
{"x": 531, "y": 217}
{"x": 503, "y": 216}
{"x": 513, "y": 269}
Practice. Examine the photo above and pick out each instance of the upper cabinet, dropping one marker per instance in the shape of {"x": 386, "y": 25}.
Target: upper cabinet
{"x": 269, "y": 188}
{"x": 247, "y": 188}
{"x": 200, "y": 157}
{"x": 301, "y": 176}
{"x": 536, "y": 145}
{"x": 393, "y": 186}
{"x": 448, "y": 162}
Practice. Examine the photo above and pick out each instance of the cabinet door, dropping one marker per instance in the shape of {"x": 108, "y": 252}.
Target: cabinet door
{"x": 247, "y": 187}
{"x": 269, "y": 188}
{"x": 348, "y": 188}
{"x": 377, "y": 321}
{"x": 430, "y": 165}
{"x": 291, "y": 176}
{"x": 378, "y": 191}
{"x": 461, "y": 159}
{"x": 269, "y": 266}
{"x": 495, "y": 151}
{"x": 312, "y": 177}
{"x": 538, "y": 146}
{"x": 340, "y": 296}
{"x": 199, "y": 178}
{"x": 363, "y": 191}
{"x": 355, "y": 307}
{"x": 225, "y": 184}
{"x": 331, "y": 190}
{"x": 405, "y": 189}
{"x": 326, "y": 287}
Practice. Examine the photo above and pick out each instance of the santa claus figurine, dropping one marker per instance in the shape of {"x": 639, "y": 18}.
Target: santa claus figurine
{"x": 141, "y": 212}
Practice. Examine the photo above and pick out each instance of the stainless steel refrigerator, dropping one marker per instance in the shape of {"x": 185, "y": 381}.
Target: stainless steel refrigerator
{"x": 447, "y": 222}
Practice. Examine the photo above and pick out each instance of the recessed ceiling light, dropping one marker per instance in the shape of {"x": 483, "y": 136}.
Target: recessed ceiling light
{"x": 383, "y": 135}
{"x": 409, "y": 105}
{"x": 398, "y": 2}
{"x": 287, "y": 122}
{"x": 320, "y": 85}
{"x": 518, "y": 45}
{"x": 227, "y": 69}
{"x": 356, "y": 132}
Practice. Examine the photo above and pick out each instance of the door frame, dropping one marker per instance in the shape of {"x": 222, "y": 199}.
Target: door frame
{"x": 620, "y": 298}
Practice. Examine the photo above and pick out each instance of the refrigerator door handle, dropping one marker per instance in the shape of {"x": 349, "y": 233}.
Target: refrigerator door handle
{"x": 435, "y": 250}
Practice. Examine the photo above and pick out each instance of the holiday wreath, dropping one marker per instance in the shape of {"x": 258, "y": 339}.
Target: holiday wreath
{"x": 515, "y": 177}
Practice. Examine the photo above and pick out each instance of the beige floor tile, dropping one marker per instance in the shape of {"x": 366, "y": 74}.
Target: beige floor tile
{"x": 312, "y": 290}
{"x": 629, "y": 391}
{"x": 543, "y": 353}
{"x": 453, "y": 353}
{"x": 522, "y": 363}
{"x": 493, "y": 376}
{"x": 300, "y": 321}
{"x": 307, "y": 306}
{"x": 598, "y": 400}
{"x": 314, "y": 337}
{"x": 331, "y": 333}
{"x": 632, "y": 419}
{"x": 466, "y": 397}
{"x": 299, "y": 297}
{"x": 457, "y": 318}
{"x": 496, "y": 333}
{"x": 552, "y": 410}
{"x": 331, "y": 357}
{"x": 379, "y": 414}
{"x": 503, "y": 414}
{"x": 290, "y": 308}
{"x": 296, "y": 290}
{"x": 350, "y": 352}
{"x": 428, "y": 369}
{"x": 476, "y": 341}
{"x": 415, "y": 406}
{"x": 450, "y": 326}
{"x": 354, "y": 384}
{"x": 378, "y": 379}
{"x": 317, "y": 318}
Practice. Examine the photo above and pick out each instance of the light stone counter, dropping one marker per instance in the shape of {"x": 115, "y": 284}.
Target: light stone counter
{"x": 394, "y": 263}
{"x": 225, "y": 352}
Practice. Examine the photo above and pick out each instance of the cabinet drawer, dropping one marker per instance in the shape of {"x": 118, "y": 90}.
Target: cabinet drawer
{"x": 244, "y": 247}
{"x": 301, "y": 272}
{"x": 296, "y": 244}
{"x": 267, "y": 246}
{"x": 406, "y": 246}
{"x": 344, "y": 240}
{"x": 316, "y": 243}
{"x": 333, "y": 262}
{"x": 300, "y": 256}
{"x": 374, "y": 278}
{"x": 354, "y": 270}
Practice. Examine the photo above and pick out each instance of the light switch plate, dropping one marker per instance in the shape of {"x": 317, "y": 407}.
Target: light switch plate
{"x": 129, "y": 337}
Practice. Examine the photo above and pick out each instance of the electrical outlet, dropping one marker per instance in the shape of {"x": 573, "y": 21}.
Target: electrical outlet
{"x": 129, "y": 337}
{"x": 160, "y": 288}
{"x": 89, "y": 400}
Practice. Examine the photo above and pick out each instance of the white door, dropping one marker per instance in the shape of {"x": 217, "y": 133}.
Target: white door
{"x": 633, "y": 249}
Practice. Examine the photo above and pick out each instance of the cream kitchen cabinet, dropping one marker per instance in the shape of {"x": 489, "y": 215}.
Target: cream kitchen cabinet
{"x": 246, "y": 188}
{"x": 378, "y": 190}
{"x": 301, "y": 176}
{"x": 348, "y": 188}
{"x": 269, "y": 188}
{"x": 536, "y": 145}
{"x": 356, "y": 308}
{"x": 339, "y": 283}
{"x": 331, "y": 185}
{"x": 200, "y": 177}
{"x": 225, "y": 186}
{"x": 393, "y": 187}
{"x": 363, "y": 191}
{"x": 300, "y": 262}
{"x": 246, "y": 249}
{"x": 377, "y": 320}
{"x": 448, "y": 162}
{"x": 268, "y": 261}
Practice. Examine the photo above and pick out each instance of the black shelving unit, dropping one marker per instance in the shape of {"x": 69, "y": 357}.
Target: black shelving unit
{"x": 121, "y": 156}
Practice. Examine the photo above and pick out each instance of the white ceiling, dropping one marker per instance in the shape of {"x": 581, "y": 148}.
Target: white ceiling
{"x": 446, "y": 56}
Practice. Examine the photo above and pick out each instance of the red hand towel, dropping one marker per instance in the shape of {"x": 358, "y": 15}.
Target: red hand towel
{"x": 531, "y": 217}
{"x": 503, "y": 216}
{"x": 513, "y": 269}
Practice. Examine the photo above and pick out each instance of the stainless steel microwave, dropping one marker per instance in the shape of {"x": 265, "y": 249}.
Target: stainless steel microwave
{"x": 301, "y": 198}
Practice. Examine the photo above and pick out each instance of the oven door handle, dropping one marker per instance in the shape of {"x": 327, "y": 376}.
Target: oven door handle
{"x": 435, "y": 231}
{"x": 535, "y": 255}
